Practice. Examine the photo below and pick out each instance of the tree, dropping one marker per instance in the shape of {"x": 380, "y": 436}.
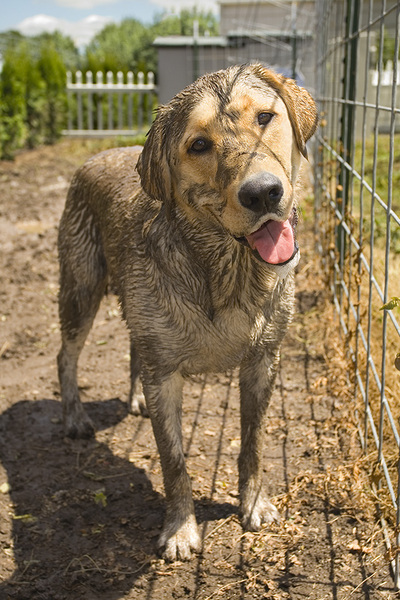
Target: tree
{"x": 128, "y": 46}
{"x": 13, "y": 99}
{"x": 183, "y": 23}
{"x": 10, "y": 39}
{"x": 62, "y": 44}
{"x": 53, "y": 74}
{"x": 33, "y": 98}
{"x": 35, "y": 105}
{"x": 118, "y": 47}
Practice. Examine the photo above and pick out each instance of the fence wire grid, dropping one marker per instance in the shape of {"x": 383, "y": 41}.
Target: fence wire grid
{"x": 357, "y": 201}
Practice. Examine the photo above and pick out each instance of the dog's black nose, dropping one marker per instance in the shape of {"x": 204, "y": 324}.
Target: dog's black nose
{"x": 261, "y": 193}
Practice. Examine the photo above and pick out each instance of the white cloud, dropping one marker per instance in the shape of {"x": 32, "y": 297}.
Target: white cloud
{"x": 83, "y": 4}
{"x": 80, "y": 31}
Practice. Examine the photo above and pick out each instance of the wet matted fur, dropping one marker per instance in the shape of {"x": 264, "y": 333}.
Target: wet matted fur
{"x": 196, "y": 232}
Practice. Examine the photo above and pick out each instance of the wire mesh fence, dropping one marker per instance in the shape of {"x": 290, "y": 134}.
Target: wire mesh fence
{"x": 357, "y": 170}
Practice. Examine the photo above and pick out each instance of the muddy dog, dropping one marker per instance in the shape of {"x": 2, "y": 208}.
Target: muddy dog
{"x": 196, "y": 231}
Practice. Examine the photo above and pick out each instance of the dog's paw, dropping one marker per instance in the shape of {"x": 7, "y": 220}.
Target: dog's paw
{"x": 137, "y": 408}
{"x": 79, "y": 426}
{"x": 137, "y": 405}
{"x": 178, "y": 541}
{"x": 257, "y": 512}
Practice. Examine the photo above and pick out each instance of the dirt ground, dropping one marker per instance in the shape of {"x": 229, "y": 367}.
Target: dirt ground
{"x": 80, "y": 520}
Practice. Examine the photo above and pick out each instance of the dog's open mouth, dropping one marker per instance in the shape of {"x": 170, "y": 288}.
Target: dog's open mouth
{"x": 274, "y": 242}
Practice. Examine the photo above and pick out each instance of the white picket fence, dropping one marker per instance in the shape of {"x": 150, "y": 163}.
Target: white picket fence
{"x": 386, "y": 80}
{"x": 387, "y": 76}
{"x": 104, "y": 108}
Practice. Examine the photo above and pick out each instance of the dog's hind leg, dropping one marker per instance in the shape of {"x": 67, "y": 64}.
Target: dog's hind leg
{"x": 83, "y": 280}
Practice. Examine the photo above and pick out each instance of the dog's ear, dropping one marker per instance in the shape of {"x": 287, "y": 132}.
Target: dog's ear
{"x": 302, "y": 112}
{"x": 299, "y": 103}
{"x": 152, "y": 165}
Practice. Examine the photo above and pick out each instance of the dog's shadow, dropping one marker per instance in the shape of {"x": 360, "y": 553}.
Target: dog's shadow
{"x": 83, "y": 517}
{"x": 74, "y": 503}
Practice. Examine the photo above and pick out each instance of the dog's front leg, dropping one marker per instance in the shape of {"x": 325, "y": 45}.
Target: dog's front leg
{"x": 180, "y": 532}
{"x": 257, "y": 377}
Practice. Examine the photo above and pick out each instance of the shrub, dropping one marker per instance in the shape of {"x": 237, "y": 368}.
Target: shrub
{"x": 13, "y": 100}
{"x": 33, "y": 98}
{"x": 53, "y": 75}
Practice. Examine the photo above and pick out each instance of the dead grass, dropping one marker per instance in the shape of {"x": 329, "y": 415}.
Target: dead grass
{"x": 345, "y": 352}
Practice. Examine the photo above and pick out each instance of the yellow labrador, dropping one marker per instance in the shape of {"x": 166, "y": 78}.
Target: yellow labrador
{"x": 197, "y": 233}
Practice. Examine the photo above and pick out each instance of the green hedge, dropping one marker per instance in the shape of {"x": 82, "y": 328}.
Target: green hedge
{"x": 33, "y": 104}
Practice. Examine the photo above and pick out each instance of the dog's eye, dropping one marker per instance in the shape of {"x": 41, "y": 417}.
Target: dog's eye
{"x": 200, "y": 145}
{"x": 264, "y": 118}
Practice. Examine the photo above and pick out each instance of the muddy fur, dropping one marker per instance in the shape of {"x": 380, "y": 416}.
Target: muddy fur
{"x": 167, "y": 225}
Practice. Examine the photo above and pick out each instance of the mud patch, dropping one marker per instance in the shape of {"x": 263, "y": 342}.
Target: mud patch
{"x": 81, "y": 519}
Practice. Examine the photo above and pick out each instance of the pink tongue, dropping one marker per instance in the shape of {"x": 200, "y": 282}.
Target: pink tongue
{"x": 274, "y": 241}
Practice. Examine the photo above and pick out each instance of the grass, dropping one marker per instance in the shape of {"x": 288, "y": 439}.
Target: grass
{"x": 365, "y": 217}
{"x": 376, "y": 175}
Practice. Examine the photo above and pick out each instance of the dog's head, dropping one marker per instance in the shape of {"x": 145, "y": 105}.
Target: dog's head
{"x": 228, "y": 149}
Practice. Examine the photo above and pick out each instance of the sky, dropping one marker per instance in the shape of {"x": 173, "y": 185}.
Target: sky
{"x": 81, "y": 19}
